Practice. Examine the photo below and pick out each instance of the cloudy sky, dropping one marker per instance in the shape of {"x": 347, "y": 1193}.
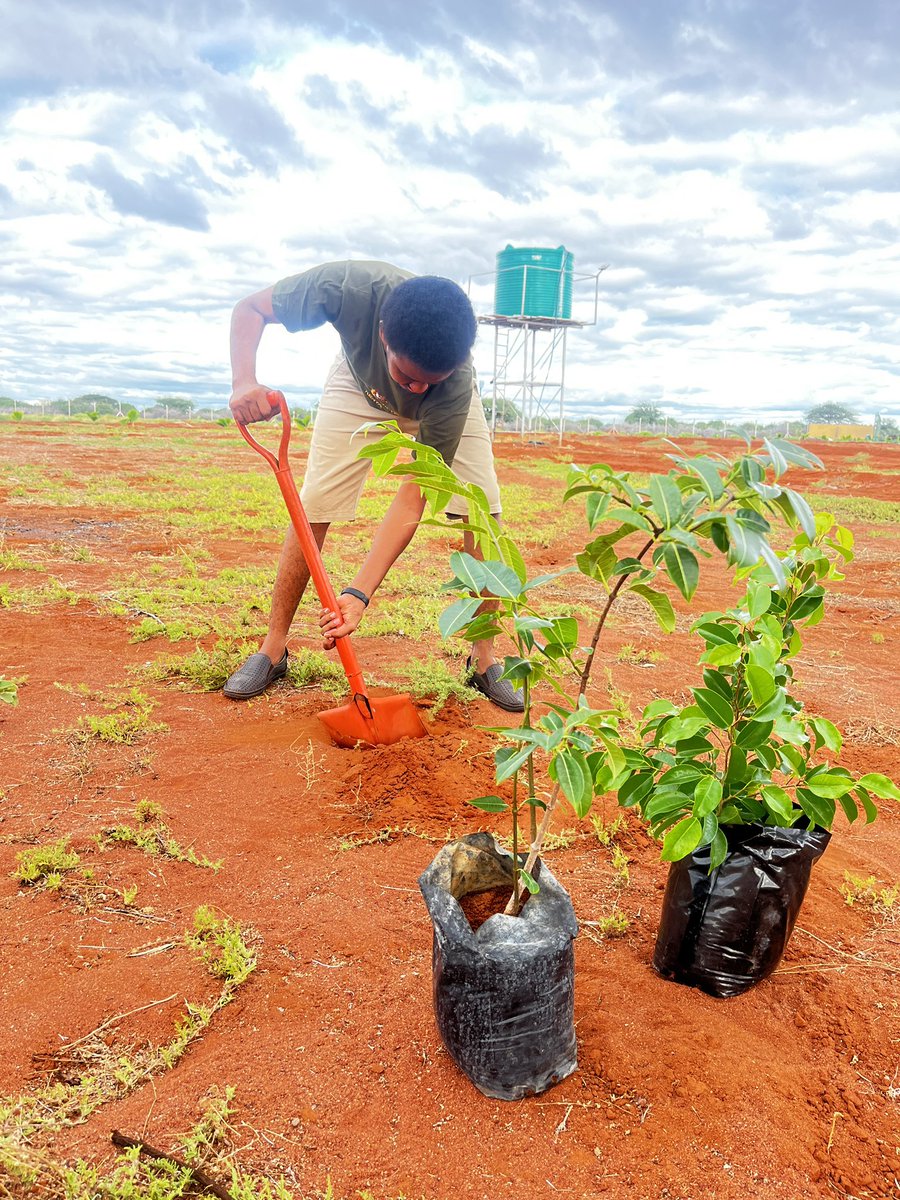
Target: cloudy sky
{"x": 735, "y": 164}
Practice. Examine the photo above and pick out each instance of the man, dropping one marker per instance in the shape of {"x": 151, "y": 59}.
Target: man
{"x": 406, "y": 356}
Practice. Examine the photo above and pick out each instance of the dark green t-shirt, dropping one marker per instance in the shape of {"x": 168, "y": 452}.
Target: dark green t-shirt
{"x": 350, "y": 296}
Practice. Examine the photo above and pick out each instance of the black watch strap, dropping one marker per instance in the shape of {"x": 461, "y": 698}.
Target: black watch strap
{"x": 357, "y": 593}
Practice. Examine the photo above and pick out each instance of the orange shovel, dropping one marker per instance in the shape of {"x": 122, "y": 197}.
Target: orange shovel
{"x": 379, "y": 721}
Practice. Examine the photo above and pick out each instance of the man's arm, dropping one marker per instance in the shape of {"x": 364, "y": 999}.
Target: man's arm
{"x": 248, "y": 320}
{"x": 393, "y": 536}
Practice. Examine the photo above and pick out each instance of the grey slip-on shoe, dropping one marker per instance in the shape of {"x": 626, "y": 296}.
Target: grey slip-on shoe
{"x": 499, "y": 691}
{"x": 254, "y": 676}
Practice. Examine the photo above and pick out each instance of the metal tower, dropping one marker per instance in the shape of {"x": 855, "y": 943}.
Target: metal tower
{"x": 530, "y": 363}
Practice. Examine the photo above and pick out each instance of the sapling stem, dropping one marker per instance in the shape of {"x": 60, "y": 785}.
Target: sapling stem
{"x": 515, "y": 841}
{"x": 620, "y": 583}
{"x": 513, "y": 908}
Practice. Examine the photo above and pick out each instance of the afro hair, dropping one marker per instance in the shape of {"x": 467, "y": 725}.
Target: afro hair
{"x": 429, "y": 321}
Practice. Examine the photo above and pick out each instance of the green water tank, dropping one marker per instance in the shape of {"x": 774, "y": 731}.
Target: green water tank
{"x": 534, "y": 281}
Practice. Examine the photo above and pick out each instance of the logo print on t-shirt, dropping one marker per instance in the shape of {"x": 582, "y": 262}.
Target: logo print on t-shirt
{"x": 376, "y": 398}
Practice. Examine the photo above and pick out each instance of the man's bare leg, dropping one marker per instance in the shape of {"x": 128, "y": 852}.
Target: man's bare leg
{"x": 482, "y": 651}
{"x": 291, "y": 579}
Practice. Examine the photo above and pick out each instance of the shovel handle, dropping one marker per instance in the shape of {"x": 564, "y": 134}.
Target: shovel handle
{"x": 302, "y": 528}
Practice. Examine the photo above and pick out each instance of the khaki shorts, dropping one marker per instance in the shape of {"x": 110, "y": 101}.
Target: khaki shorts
{"x": 335, "y": 476}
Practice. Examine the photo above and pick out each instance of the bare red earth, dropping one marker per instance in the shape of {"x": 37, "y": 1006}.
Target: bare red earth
{"x": 790, "y": 1092}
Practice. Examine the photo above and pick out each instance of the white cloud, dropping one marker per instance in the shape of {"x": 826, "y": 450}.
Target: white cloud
{"x": 157, "y": 169}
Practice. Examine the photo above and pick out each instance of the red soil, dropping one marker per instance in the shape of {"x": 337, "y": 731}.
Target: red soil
{"x": 788, "y": 1092}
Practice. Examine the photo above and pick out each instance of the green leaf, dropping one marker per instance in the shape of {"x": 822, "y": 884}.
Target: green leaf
{"x": 635, "y": 789}
{"x": 779, "y": 803}
{"x": 802, "y": 512}
{"x": 508, "y": 759}
{"x": 714, "y": 706}
{"x": 614, "y": 753}
{"x": 817, "y": 808}
{"x": 776, "y": 458}
{"x": 761, "y": 684}
{"x": 710, "y": 827}
{"x": 500, "y": 580}
{"x": 848, "y": 804}
{"x": 574, "y": 779}
{"x": 512, "y": 557}
{"x": 681, "y": 839}
{"x": 708, "y": 474}
{"x": 753, "y": 734}
{"x": 492, "y": 804}
{"x": 715, "y": 633}
{"x": 688, "y": 773}
{"x": 880, "y": 786}
{"x": 530, "y": 882}
{"x": 830, "y": 785}
{"x": 658, "y": 708}
{"x": 563, "y": 631}
{"x": 767, "y": 756}
{"x": 718, "y": 851}
{"x": 773, "y": 707}
{"x": 868, "y": 807}
{"x": 759, "y": 598}
{"x": 707, "y": 796}
{"x": 596, "y": 505}
{"x": 469, "y": 571}
{"x": 683, "y": 568}
{"x": 744, "y": 544}
{"x": 722, "y": 655}
{"x": 458, "y": 615}
{"x": 516, "y": 669}
{"x": 794, "y": 734}
{"x": 676, "y": 728}
{"x": 760, "y": 655}
{"x": 482, "y": 626}
{"x": 670, "y": 800}
{"x": 718, "y": 681}
{"x": 659, "y": 602}
{"x": 798, "y": 455}
{"x": 827, "y": 735}
{"x": 627, "y": 516}
{"x": 665, "y": 496}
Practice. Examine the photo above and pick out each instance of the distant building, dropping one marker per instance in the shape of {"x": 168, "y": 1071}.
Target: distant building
{"x": 842, "y": 433}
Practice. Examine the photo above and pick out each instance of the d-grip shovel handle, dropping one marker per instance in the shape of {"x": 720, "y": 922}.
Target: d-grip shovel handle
{"x": 302, "y": 528}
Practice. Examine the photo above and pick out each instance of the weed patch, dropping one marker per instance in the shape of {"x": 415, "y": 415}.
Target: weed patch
{"x": 152, "y": 836}
{"x": 638, "y": 656}
{"x": 202, "y": 670}
{"x": 44, "y": 866}
{"x": 432, "y": 679}
{"x": 222, "y": 946}
{"x": 856, "y": 508}
{"x": 131, "y": 723}
{"x": 871, "y": 894}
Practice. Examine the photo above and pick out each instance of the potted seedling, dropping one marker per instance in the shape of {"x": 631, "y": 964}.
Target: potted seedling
{"x": 504, "y": 992}
{"x": 743, "y": 784}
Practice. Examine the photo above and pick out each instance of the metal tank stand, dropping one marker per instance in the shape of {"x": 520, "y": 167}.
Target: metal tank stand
{"x": 530, "y": 367}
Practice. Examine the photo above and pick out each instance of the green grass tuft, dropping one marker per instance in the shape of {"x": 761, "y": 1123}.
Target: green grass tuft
{"x": 46, "y": 864}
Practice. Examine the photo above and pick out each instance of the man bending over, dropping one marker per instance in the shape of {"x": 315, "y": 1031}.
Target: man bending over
{"x": 405, "y": 356}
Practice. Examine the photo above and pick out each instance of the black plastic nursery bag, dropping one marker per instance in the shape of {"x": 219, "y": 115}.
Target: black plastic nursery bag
{"x": 727, "y": 931}
{"x": 504, "y": 993}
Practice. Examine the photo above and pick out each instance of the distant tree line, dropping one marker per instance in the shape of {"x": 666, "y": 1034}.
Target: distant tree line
{"x": 646, "y": 417}
{"x": 96, "y": 405}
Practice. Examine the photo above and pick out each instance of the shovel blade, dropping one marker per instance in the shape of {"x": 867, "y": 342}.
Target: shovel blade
{"x": 393, "y": 718}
